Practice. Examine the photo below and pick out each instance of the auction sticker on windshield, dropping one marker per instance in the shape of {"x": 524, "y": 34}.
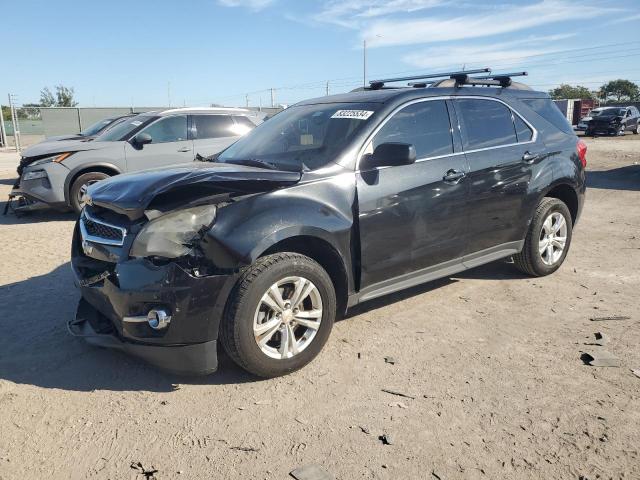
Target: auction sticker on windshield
{"x": 358, "y": 114}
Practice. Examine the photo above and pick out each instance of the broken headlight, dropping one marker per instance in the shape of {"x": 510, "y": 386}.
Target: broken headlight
{"x": 172, "y": 235}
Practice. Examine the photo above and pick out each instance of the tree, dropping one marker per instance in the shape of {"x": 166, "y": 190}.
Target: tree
{"x": 46, "y": 98}
{"x": 569, "y": 91}
{"x": 65, "y": 96}
{"x": 62, "y": 98}
{"x": 620, "y": 90}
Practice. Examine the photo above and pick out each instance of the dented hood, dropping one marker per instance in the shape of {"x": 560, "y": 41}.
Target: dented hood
{"x": 131, "y": 194}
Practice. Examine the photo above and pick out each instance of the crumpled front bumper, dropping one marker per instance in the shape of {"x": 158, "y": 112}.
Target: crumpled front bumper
{"x": 95, "y": 328}
{"x": 113, "y": 292}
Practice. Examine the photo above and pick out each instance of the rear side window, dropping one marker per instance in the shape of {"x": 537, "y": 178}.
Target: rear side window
{"x": 213, "y": 126}
{"x": 485, "y": 123}
{"x": 425, "y": 125}
{"x": 550, "y": 112}
{"x": 243, "y": 125}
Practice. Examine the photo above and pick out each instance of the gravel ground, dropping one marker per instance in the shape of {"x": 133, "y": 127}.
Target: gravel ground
{"x": 490, "y": 360}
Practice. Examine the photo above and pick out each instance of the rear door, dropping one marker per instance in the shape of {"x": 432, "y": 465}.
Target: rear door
{"x": 213, "y": 133}
{"x": 170, "y": 144}
{"x": 413, "y": 217}
{"x": 502, "y": 150}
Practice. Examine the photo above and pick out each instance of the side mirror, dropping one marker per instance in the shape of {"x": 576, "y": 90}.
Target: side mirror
{"x": 142, "y": 139}
{"x": 389, "y": 155}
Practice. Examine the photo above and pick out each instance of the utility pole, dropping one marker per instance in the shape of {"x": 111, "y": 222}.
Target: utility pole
{"x": 273, "y": 98}
{"x": 327, "y": 89}
{"x": 260, "y": 105}
{"x": 169, "y": 93}
{"x": 364, "y": 63}
{"x": 246, "y": 100}
{"x": 16, "y": 125}
{"x": 3, "y": 135}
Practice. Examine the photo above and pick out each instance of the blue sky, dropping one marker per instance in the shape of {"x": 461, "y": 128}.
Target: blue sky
{"x": 120, "y": 53}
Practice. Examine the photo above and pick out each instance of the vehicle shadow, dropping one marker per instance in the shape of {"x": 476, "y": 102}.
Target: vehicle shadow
{"x": 39, "y": 216}
{"x": 622, "y": 178}
{"x": 36, "y": 349}
{"x": 498, "y": 270}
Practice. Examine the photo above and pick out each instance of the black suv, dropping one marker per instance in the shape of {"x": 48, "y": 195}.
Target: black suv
{"x": 614, "y": 121}
{"x": 332, "y": 202}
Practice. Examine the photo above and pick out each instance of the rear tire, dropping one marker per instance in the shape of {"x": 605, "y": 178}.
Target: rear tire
{"x": 636, "y": 130}
{"x": 79, "y": 187}
{"x": 548, "y": 239}
{"x": 255, "y": 330}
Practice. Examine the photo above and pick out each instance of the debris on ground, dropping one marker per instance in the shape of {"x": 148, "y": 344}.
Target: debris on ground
{"x": 311, "y": 472}
{"x": 399, "y": 405}
{"x": 636, "y": 372}
{"x": 399, "y": 394}
{"x": 386, "y": 439}
{"x": 390, "y": 360}
{"x": 364, "y": 429}
{"x": 245, "y": 449}
{"x": 612, "y": 317}
{"x": 600, "y": 358}
{"x": 143, "y": 471}
{"x": 601, "y": 339}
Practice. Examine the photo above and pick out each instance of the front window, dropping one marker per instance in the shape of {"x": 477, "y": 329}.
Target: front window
{"x": 168, "y": 129}
{"x": 123, "y": 130}
{"x": 304, "y": 137}
{"x": 613, "y": 112}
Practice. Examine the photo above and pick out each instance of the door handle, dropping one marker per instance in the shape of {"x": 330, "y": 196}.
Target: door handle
{"x": 453, "y": 176}
{"x": 529, "y": 157}
{"x": 184, "y": 149}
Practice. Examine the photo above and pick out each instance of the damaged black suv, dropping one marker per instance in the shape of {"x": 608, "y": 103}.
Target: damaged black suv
{"x": 330, "y": 203}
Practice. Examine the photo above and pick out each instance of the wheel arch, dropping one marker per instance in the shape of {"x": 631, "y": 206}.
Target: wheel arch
{"x": 323, "y": 252}
{"x": 566, "y": 193}
{"x": 102, "y": 167}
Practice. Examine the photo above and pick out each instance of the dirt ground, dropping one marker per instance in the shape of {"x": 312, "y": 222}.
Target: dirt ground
{"x": 490, "y": 359}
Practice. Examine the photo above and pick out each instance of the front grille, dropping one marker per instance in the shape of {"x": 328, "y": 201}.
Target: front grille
{"x": 95, "y": 230}
{"x": 101, "y": 230}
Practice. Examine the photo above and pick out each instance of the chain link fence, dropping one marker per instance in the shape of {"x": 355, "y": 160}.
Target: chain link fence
{"x": 33, "y": 123}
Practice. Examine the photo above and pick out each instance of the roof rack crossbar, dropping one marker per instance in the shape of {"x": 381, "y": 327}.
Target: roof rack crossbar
{"x": 379, "y": 83}
{"x": 504, "y": 79}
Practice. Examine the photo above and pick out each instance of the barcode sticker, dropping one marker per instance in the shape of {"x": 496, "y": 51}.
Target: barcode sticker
{"x": 358, "y": 114}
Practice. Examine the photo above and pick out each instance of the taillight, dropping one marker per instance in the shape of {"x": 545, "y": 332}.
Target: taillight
{"x": 581, "y": 148}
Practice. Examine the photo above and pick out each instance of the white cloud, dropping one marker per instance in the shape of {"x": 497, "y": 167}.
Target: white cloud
{"x": 507, "y": 19}
{"x": 353, "y": 13}
{"x": 251, "y": 4}
{"x": 514, "y": 53}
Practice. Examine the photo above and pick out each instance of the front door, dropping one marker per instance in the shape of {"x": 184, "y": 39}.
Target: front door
{"x": 169, "y": 145}
{"x": 502, "y": 153}
{"x": 412, "y": 217}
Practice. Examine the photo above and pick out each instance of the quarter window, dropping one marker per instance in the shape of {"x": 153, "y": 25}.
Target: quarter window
{"x": 168, "y": 129}
{"x": 485, "y": 123}
{"x": 425, "y": 125}
{"x": 214, "y": 126}
{"x": 523, "y": 131}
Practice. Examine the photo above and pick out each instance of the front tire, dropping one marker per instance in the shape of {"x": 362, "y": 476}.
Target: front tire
{"x": 636, "y": 130}
{"x": 79, "y": 188}
{"x": 279, "y": 316}
{"x": 548, "y": 239}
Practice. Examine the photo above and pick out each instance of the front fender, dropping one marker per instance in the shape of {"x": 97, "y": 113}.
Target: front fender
{"x": 247, "y": 228}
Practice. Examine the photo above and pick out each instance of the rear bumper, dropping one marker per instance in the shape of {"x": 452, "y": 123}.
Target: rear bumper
{"x": 195, "y": 359}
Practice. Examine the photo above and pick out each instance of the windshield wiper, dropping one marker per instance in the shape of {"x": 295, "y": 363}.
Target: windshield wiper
{"x": 252, "y": 162}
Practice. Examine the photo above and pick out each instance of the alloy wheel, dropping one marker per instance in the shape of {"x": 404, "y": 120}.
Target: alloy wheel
{"x": 553, "y": 238}
{"x": 288, "y": 317}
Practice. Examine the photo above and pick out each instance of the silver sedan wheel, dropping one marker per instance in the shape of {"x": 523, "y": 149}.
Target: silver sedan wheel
{"x": 553, "y": 238}
{"x": 288, "y": 317}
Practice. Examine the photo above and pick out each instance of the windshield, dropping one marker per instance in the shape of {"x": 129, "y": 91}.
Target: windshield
{"x": 122, "y": 130}
{"x": 96, "y": 127}
{"x": 304, "y": 137}
{"x": 594, "y": 113}
{"x": 613, "y": 111}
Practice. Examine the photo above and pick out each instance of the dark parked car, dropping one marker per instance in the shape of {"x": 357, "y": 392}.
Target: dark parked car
{"x": 330, "y": 203}
{"x": 614, "y": 121}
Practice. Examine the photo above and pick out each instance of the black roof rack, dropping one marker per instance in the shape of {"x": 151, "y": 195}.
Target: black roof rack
{"x": 377, "y": 84}
{"x": 460, "y": 78}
